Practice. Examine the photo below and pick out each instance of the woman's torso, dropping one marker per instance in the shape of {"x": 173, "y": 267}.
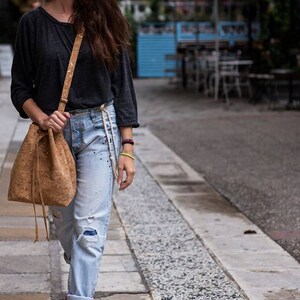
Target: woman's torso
{"x": 51, "y": 44}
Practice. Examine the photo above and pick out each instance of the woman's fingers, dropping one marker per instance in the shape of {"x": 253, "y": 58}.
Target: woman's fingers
{"x": 59, "y": 119}
{"x": 128, "y": 181}
{"x": 126, "y": 164}
{"x": 56, "y": 121}
{"x": 120, "y": 173}
{"x": 66, "y": 114}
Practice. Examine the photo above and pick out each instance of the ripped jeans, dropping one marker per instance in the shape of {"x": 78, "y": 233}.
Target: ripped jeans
{"x": 82, "y": 226}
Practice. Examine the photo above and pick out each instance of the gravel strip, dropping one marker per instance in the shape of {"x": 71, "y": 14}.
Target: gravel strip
{"x": 174, "y": 262}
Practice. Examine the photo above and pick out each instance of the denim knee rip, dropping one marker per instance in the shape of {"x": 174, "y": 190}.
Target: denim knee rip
{"x": 88, "y": 236}
{"x": 90, "y": 232}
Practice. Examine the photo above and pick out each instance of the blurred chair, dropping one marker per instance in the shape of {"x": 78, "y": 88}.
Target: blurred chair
{"x": 233, "y": 74}
{"x": 173, "y": 67}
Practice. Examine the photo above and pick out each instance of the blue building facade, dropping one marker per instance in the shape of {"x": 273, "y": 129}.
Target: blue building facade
{"x": 156, "y": 40}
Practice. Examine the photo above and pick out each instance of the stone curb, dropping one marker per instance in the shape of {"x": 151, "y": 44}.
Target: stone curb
{"x": 173, "y": 260}
{"x": 260, "y": 267}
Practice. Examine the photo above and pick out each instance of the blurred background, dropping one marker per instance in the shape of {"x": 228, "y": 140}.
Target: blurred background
{"x": 217, "y": 81}
{"x": 188, "y": 40}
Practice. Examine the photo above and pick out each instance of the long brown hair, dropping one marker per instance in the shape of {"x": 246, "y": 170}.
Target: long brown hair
{"x": 106, "y": 29}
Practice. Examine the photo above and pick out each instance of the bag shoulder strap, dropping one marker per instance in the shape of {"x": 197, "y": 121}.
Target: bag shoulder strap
{"x": 70, "y": 71}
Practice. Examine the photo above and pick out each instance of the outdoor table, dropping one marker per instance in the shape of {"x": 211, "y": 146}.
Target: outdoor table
{"x": 236, "y": 62}
{"x": 193, "y": 47}
{"x": 231, "y": 68}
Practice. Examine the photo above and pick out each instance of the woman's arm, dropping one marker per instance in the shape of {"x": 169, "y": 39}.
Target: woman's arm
{"x": 126, "y": 113}
{"x": 126, "y": 163}
{"x": 56, "y": 121}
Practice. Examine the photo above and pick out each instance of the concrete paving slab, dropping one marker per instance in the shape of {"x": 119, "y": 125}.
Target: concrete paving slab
{"x": 116, "y": 247}
{"x": 121, "y": 282}
{"x": 24, "y": 264}
{"x": 24, "y": 283}
{"x": 18, "y": 209}
{"x": 114, "y": 219}
{"x": 110, "y": 263}
{"x": 244, "y": 242}
{"x": 272, "y": 279}
{"x": 261, "y": 261}
{"x": 26, "y": 297}
{"x": 23, "y": 248}
{"x": 279, "y": 294}
{"x": 188, "y": 188}
{"x": 19, "y": 234}
{"x": 19, "y": 222}
{"x": 116, "y": 282}
{"x": 4, "y": 184}
{"x": 118, "y": 263}
{"x": 226, "y": 226}
{"x": 115, "y": 226}
{"x": 127, "y": 297}
{"x": 116, "y": 234}
{"x": 210, "y": 202}
{"x": 8, "y": 121}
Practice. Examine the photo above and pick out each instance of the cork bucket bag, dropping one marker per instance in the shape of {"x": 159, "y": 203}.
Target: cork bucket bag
{"x": 44, "y": 170}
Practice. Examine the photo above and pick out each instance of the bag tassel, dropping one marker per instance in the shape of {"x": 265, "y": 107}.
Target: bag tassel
{"x": 36, "y": 177}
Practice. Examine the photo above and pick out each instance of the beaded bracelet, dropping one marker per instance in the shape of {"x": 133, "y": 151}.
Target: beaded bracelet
{"x": 127, "y": 154}
{"x": 128, "y": 141}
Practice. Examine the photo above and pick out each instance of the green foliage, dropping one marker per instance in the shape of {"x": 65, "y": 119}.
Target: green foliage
{"x": 280, "y": 31}
{"x": 155, "y": 9}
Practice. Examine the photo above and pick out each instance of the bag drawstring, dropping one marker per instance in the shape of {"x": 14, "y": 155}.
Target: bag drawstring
{"x": 36, "y": 177}
{"x": 112, "y": 150}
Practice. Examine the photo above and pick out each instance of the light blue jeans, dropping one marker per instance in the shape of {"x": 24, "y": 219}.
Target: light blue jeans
{"x": 82, "y": 226}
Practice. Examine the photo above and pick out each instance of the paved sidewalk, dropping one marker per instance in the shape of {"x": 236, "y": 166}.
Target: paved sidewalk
{"x": 36, "y": 271}
{"x": 171, "y": 237}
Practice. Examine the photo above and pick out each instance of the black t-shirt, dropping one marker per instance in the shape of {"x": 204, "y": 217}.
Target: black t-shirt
{"x": 42, "y": 52}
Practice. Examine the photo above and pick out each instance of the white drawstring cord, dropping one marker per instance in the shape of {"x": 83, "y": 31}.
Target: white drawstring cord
{"x": 112, "y": 152}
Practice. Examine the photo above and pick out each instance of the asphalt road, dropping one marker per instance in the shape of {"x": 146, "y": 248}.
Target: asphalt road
{"x": 247, "y": 152}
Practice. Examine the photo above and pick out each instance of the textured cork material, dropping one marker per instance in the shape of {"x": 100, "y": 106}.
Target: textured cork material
{"x": 44, "y": 171}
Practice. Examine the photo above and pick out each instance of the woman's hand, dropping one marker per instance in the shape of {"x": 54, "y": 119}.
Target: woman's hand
{"x": 126, "y": 164}
{"x": 57, "y": 121}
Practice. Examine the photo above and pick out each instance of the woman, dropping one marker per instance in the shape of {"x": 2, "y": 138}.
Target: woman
{"x": 101, "y": 112}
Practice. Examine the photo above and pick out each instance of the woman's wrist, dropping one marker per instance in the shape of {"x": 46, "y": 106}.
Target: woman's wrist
{"x": 40, "y": 120}
{"x": 128, "y": 148}
{"x": 34, "y": 112}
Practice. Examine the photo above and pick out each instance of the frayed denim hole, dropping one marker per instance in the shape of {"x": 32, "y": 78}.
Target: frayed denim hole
{"x": 87, "y": 237}
{"x": 90, "y": 232}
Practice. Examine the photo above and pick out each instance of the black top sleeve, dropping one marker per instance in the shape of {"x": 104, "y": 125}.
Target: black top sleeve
{"x": 42, "y": 50}
{"x": 22, "y": 86}
{"x": 122, "y": 87}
